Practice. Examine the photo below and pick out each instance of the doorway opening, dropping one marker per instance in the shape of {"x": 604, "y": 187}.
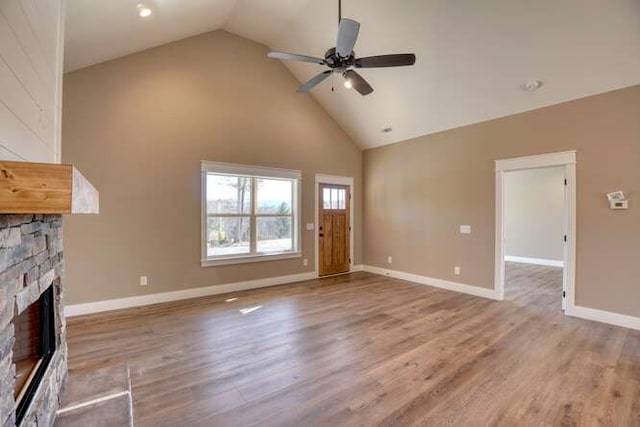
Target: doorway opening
{"x": 535, "y": 229}
{"x": 334, "y": 225}
{"x": 534, "y": 202}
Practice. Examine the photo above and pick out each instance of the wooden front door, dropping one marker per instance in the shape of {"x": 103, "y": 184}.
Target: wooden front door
{"x": 333, "y": 229}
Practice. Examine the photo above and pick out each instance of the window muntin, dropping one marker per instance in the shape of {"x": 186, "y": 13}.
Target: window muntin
{"x": 249, "y": 216}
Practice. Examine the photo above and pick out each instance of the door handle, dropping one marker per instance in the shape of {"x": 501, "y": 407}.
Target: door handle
{"x": 321, "y": 235}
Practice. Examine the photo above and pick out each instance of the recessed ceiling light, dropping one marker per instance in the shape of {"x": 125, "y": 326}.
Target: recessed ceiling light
{"x": 532, "y": 85}
{"x": 144, "y": 11}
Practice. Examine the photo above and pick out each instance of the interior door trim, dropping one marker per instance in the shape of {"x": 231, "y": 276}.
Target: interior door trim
{"x": 567, "y": 159}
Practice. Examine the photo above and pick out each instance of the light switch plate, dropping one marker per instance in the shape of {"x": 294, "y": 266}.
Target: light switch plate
{"x": 465, "y": 229}
{"x": 310, "y": 226}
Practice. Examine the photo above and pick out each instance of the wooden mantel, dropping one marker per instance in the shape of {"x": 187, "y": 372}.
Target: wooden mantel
{"x": 42, "y": 188}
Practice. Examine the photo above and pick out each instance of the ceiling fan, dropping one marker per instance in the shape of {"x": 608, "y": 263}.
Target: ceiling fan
{"x": 341, "y": 59}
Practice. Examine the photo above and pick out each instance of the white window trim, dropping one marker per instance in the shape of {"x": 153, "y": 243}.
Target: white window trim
{"x": 258, "y": 172}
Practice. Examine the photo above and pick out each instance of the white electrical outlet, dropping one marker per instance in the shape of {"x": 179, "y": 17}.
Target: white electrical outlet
{"x": 465, "y": 229}
{"x": 305, "y": 262}
{"x": 456, "y": 270}
{"x": 389, "y": 260}
{"x": 144, "y": 281}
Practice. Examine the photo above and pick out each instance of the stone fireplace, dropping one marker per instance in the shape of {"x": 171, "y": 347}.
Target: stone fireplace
{"x": 33, "y": 347}
{"x": 33, "y": 351}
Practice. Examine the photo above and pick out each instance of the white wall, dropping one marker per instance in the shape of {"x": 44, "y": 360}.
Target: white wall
{"x": 534, "y": 205}
{"x": 31, "y": 56}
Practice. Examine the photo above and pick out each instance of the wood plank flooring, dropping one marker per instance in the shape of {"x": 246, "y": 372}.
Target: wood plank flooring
{"x": 363, "y": 349}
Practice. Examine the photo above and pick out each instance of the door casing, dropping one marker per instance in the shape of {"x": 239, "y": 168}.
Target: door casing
{"x": 568, "y": 160}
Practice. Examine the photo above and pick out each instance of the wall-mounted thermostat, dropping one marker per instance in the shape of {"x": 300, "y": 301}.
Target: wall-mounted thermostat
{"x": 622, "y": 204}
{"x": 617, "y": 200}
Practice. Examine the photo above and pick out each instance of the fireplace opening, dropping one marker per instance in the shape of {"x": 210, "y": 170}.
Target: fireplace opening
{"x": 34, "y": 346}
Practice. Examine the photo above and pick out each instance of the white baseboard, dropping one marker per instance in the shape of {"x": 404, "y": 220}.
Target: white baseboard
{"x": 604, "y": 317}
{"x": 438, "y": 283}
{"x": 536, "y": 261}
{"x": 137, "y": 301}
{"x": 576, "y": 311}
{"x": 142, "y": 300}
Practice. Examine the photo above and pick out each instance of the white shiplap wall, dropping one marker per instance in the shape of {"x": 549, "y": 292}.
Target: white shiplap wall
{"x": 31, "y": 55}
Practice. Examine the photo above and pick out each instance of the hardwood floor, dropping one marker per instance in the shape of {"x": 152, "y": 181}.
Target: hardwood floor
{"x": 364, "y": 349}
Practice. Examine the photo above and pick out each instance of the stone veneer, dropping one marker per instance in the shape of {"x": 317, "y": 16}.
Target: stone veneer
{"x": 30, "y": 261}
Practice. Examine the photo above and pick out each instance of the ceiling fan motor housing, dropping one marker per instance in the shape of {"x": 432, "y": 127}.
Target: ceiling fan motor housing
{"x": 333, "y": 60}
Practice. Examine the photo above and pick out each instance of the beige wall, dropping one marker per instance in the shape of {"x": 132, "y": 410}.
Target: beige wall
{"x": 417, "y": 193}
{"x": 534, "y": 213}
{"x": 137, "y": 127}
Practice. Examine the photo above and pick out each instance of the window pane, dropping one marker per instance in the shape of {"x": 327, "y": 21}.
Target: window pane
{"x": 274, "y": 196}
{"x": 228, "y": 194}
{"x": 228, "y": 236}
{"x": 274, "y": 234}
{"x": 334, "y": 198}
{"x": 326, "y": 198}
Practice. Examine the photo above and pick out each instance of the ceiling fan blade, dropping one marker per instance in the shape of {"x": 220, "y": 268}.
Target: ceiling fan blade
{"x": 314, "y": 82}
{"x": 347, "y": 36}
{"x": 358, "y": 82}
{"x": 294, "y": 57}
{"x": 398, "y": 60}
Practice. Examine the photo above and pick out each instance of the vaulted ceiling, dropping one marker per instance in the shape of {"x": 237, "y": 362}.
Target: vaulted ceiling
{"x": 473, "y": 56}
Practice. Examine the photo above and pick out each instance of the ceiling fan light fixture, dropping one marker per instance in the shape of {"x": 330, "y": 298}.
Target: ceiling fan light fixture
{"x": 143, "y": 11}
{"x": 348, "y": 84}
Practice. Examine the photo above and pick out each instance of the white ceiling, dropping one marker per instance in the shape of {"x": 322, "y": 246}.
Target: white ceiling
{"x": 473, "y": 56}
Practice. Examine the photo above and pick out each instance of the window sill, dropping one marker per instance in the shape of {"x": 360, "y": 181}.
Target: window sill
{"x": 243, "y": 259}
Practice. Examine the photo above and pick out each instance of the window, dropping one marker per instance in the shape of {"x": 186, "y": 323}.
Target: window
{"x": 334, "y": 198}
{"x": 249, "y": 213}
